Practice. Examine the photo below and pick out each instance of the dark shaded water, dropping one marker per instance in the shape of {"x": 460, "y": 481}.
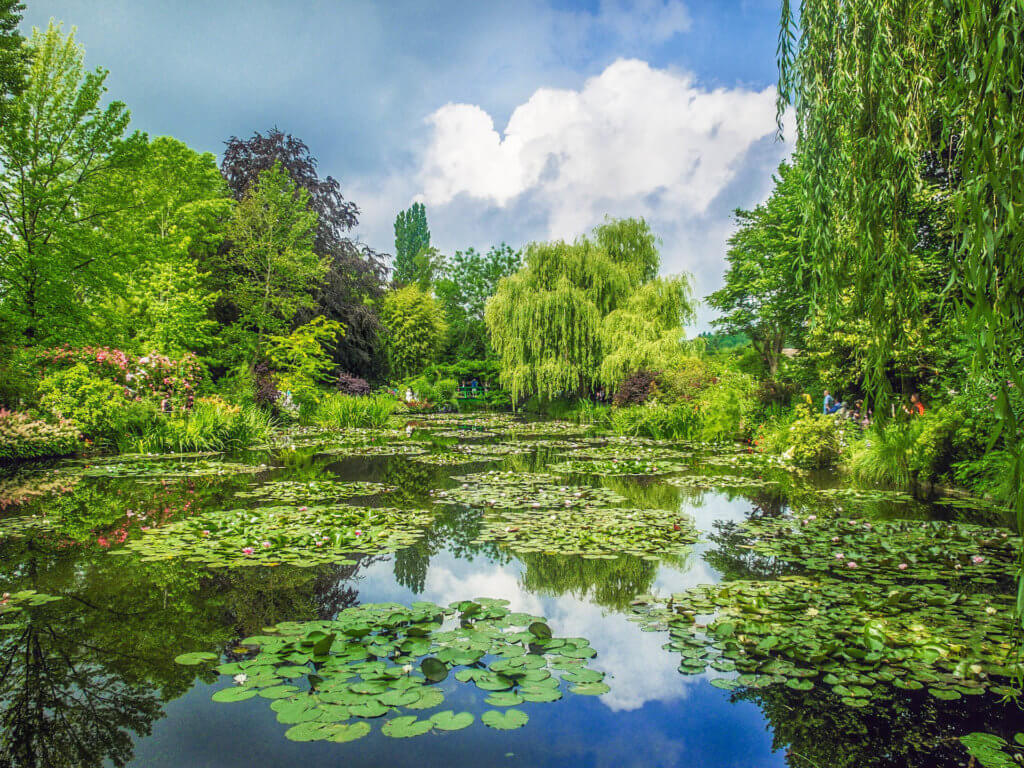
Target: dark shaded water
{"x": 90, "y": 679}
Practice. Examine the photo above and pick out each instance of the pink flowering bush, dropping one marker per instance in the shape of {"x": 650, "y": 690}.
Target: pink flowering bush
{"x": 171, "y": 383}
{"x": 22, "y": 437}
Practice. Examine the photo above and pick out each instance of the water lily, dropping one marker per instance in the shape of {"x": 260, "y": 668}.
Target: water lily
{"x": 990, "y": 611}
{"x": 266, "y": 545}
{"x": 358, "y": 532}
{"x": 840, "y": 556}
{"x": 851, "y": 564}
{"x": 241, "y": 677}
{"x": 902, "y": 566}
{"x": 247, "y": 550}
{"x": 977, "y": 559}
{"x": 303, "y": 509}
{"x": 206, "y": 533}
{"x": 406, "y": 669}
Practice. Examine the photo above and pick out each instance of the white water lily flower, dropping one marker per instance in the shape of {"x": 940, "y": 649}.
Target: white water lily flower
{"x": 241, "y": 677}
{"x": 407, "y": 669}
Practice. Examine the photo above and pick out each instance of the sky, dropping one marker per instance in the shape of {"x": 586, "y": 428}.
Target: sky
{"x": 511, "y": 121}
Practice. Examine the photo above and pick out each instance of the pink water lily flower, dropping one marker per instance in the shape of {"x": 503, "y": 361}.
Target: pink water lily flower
{"x": 840, "y": 556}
{"x": 902, "y": 566}
{"x": 977, "y": 559}
{"x": 303, "y": 509}
{"x": 851, "y": 564}
{"x": 266, "y": 544}
{"x": 247, "y": 550}
{"x": 206, "y": 533}
{"x": 358, "y": 532}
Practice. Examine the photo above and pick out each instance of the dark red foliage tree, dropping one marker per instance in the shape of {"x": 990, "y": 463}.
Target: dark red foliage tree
{"x": 356, "y": 272}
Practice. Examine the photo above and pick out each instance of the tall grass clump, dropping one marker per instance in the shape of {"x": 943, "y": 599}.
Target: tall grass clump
{"x": 339, "y": 411}
{"x": 212, "y": 425}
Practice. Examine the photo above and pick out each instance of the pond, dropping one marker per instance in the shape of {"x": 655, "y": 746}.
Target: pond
{"x": 480, "y": 591}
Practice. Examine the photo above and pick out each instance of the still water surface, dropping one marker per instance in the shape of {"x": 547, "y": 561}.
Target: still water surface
{"x": 90, "y": 680}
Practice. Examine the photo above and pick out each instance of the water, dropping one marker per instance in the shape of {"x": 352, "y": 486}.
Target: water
{"x": 90, "y": 680}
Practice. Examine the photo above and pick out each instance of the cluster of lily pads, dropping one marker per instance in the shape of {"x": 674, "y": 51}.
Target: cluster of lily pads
{"x": 375, "y": 449}
{"x": 593, "y": 532}
{"x": 302, "y": 536}
{"x": 328, "y": 679}
{"x": 14, "y": 602}
{"x": 617, "y": 466}
{"x": 887, "y": 551}
{"x": 298, "y": 492}
{"x": 858, "y": 639}
{"x": 509, "y": 490}
{"x": 23, "y": 526}
{"x": 149, "y": 468}
{"x": 707, "y": 482}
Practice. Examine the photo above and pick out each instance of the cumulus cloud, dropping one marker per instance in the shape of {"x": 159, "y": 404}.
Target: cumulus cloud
{"x": 632, "y": 140}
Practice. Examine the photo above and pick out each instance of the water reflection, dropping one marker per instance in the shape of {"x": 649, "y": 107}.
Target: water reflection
{"x": 90, "y": 680}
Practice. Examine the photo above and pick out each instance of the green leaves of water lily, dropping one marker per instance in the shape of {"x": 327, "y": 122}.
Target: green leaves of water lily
{"x": 294, "y": 492}
{"x": 617, "y": 466}
{"x": 195, "y": 657}
{"x": 508, "y": 720}
{"x": 511, "y": 490}
{"x": 859, "y": 639}
{"x": 591, "y": 531}
{"x": 376, "y": 660}
{"x": 273, "y": 535}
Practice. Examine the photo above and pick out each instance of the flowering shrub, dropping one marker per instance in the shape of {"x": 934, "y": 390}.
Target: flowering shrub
{"x": 22, "y": 437}
{"x": 170, "y": 382}
{"x": 265, "y": 391}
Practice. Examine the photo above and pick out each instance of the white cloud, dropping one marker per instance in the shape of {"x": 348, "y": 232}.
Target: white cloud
{"x": 633, "y": 140}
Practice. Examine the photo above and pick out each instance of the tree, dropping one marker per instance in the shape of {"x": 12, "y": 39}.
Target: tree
{"x": 414, "y": 329}
{"x": 412, "y": 246}
{"x": 763, "y": 296}
{"x": 272, "y": 235}
{"x": 166, "y": 237}
{"x": 554, "y": 321}
{"x": 57, "y": 145}
{"x": 13, "y": 56}
{"x": 355, "y": 275}
{"x": 471, "y": 278}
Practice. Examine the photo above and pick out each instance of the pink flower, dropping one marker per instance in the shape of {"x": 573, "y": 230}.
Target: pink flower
{"x": 102, "y": 542}
{"x": 902, "y": 566}
{"x": 206, "y": 533}
{"x": 977, "y": 559}
{"x": 358, "y": 532}
{"x": 840, "y": 556}
{"x": 247, "y": 550}
{"x": 266, "y": 544}
{"x": 303, "y": 509}
{"x": 835, "y": 539}
{"x": 851, "y": 564}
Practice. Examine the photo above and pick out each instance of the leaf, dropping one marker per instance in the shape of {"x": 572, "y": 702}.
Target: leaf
{"x": 195, "y": 657}
{"x": 406, "y": 726}
{"x": 434, "y": 669}
{"x": 450, "y": 721}
{"x": 507, "y": 720}
{"x": 540, "y": 630}
{"x": 234, "y": 693}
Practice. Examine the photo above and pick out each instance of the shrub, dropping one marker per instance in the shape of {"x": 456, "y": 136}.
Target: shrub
{"x": 816, "y": 441}
{"x": 352, "y": 385}
{"x": 446, "y": 389}
{"x": 636, "y": 388}
{"x": 22, "y": 437}
{"x": 98, "y": 407}
{"x": 339, "y": 411}
{"x": 905, "y": 453}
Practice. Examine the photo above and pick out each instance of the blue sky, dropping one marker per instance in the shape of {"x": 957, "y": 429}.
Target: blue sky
{"x": 512, "y": 121}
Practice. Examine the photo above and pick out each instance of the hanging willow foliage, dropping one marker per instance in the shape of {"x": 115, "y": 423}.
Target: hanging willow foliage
{"x": 883, "y": 89}
{"x": 555, "y": 321}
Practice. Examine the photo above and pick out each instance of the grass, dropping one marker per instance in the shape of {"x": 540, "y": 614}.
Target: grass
{"x": 337, "y": 411}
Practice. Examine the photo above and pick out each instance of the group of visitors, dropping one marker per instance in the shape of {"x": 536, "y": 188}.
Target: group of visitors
{"x": 857, "y": 413}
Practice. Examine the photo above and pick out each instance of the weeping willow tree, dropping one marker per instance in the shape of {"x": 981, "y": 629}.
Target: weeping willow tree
{"x": 587, "y": 313}
{"x": 885, "y": 92}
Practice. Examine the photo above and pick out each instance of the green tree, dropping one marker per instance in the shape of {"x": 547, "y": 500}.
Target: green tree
{"x": 57, "y": 146}
{"x": 414, "y": 329}
{"x": 763, "y": 296}
{"x": 471, "y": 278}
{"x": 13, "y": 56}
{"x": 271, "y": 263}
{"x": 174, "y": 226}
{"x": 412, "y": 245}
{"x": 555, "y": 321}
